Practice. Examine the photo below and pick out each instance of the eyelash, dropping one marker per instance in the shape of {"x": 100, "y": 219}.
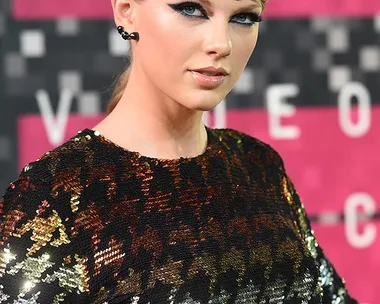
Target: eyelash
{"x": 254, "y": 17}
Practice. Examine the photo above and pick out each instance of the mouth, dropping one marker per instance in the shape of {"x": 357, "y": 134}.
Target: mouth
{"x": 209, "y": 74}
{"x": 208, "y": 80}
{"x": 211, "y": 71}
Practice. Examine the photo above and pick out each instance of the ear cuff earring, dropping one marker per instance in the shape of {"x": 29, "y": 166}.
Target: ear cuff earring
{"x": 126, "y": 36}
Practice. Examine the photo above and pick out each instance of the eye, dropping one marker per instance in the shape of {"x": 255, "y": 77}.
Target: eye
{"x": 248, "y": 18}
{"x": 189, "y": 9}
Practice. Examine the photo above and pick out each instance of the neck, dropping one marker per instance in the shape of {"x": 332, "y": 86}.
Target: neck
{"x": 154, "y": 125}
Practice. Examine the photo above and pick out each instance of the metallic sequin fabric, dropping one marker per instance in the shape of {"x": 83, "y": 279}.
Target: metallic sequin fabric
{"x": 91, "y": 222}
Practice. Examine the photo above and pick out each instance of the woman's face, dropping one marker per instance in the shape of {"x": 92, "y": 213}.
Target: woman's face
{"x": 177, "y": 37}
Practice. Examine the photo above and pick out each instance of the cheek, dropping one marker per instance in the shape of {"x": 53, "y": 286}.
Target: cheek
{"x": 164, "y": 40}
{"x": 243, "y": 49}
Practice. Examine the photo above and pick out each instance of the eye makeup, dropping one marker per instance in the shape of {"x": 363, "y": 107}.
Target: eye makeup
{"x": 189, "y": 8}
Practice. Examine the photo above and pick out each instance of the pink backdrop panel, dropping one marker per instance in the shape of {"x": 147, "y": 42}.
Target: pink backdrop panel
{"x": 100, "y": 9}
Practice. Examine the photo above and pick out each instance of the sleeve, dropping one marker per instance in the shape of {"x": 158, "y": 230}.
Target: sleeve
{"x": 334, "y": 289}
{"x": 36, "y": 261}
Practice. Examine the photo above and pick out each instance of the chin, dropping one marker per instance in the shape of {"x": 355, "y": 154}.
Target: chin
{"x": 204, "y": 103}
{"x": 203, "y": 106}
{"x": 206, "y": 108}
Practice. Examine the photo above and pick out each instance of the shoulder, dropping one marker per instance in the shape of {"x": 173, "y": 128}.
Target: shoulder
{"x": 53, "y": 173}
{"x": 254, "y": 149}
{"x": 75, "y": 152}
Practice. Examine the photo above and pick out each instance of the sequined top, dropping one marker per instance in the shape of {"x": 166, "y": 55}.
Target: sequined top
{"x": 91, "y": 222}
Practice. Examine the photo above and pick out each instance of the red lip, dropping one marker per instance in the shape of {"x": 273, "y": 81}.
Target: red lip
{"x": 212, "y": 71}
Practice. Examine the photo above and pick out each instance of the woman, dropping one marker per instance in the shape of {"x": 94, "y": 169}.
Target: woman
{"x": 150, "y": 206}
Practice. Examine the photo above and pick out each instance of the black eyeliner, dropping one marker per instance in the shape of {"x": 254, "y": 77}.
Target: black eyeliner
{"x": 254, "y": 16}
{"x": 179, "y": 6}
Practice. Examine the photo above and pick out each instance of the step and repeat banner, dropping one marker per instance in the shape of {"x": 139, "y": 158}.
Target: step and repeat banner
{"x": 311, "y": 90}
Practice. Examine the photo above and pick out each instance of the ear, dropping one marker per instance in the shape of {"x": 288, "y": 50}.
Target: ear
{"x": 123, "y": 13}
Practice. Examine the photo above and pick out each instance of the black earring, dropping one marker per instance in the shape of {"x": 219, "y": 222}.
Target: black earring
{"x": 126, "y": 36}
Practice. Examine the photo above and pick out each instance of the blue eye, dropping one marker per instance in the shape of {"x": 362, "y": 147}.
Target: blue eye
{"x": 248, "y": 18}
{"x": 188, "y": 8}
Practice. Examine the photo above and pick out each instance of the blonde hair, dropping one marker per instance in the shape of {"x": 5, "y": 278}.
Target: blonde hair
{"x": 123, "y": 78}
{"x": 118, "y": 90}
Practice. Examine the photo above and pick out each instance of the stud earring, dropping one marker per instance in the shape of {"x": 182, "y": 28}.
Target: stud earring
{"x": 126, "y": 36}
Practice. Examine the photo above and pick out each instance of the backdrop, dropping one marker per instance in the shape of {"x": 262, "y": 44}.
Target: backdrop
{"x": 311, "y": 90}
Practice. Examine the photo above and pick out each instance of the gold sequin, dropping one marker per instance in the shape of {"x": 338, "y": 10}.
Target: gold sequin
{"x": 32, "y": 270}
{"x": 42, "y": 232}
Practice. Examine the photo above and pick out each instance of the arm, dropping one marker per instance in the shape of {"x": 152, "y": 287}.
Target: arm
{"x": 36, "y": 260}
{"x": 334, "y": 289}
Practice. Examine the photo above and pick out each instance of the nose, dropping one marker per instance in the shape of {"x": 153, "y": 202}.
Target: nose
{"x": 218, "y": 40}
